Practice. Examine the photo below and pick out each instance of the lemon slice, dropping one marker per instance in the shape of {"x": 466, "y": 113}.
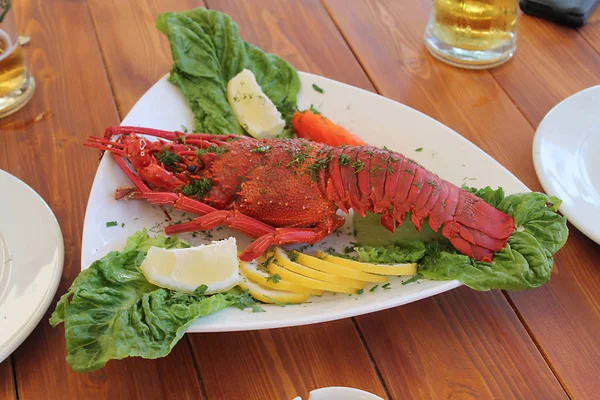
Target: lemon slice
{"x": 309, "y": 282}
{"x": 283, "y": 260}
{"x": 384, "y": 269}
{"x": 272, "y": 296}
{"x": 337, "y": 269}
{"x": 250, "y": 271}
{"x": 253, "y": 109}
{"x": 215, "y": 265}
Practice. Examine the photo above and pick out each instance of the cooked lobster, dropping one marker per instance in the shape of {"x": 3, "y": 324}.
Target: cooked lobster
{"x": 284, "y": 191}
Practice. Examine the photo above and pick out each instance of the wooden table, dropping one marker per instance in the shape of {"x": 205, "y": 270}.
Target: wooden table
{"x": 93, "y": 59}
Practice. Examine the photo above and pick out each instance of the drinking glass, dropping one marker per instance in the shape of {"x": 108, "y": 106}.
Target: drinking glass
{"x": 16, "y": 83}
{"x": 473, "y": 34}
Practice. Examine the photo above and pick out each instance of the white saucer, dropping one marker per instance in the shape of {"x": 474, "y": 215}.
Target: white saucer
{"x": 31, "y": 261}
{"x": 340, "y": 393}
{"x": 566, "y": 155}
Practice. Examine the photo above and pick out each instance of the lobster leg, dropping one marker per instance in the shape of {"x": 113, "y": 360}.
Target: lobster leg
{"x": 211, "y": 217}
{"x": 292, "y": 235}
{"x": 230, "y": 218}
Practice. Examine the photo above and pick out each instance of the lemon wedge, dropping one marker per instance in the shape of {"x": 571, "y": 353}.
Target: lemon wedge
{"x": 384, "y": 269}
{"x": 215, "y": 265}
{"x": 309, "y": 282}
{"x": 272, "y": 296}
{"x": 283, "y": 260}
{"x": 253, "y": 109}
{"x": 251, "y": 271}
{"x": 337, "y": 269}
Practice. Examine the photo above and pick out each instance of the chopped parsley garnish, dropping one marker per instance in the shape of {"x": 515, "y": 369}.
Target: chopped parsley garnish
{"x": 184, "y": 128}
{"x": 168, "y": 159}
{"x": 318, "y": 89}
{"x": 386, "y": 286}
{"x": 358, "y": 165}
{"x": 263, "y": 266}
{"x": 314, "y": 110}
{"x": 274, "y": 278}
{"x": 319, "y": 165}
{"x": 344, "y": 160}
{"x": 360, "y": 291}
{"x": 297, "y": 160}
{"x": 244, "y": 300}
{"x": 390, "y": 169}
{"x": 123, "y": 225}
{"x": 413, "y": 279}
{"x": 256, "y": 308}
{"x": 373, "y": 288}
{"x": 419, "y": 149}
{"x": 260, "y": 149}
{"x": 111, "y": 223}
{"x": 294, "y": 256}
{"x": 348, "y": 249}
{"x": 410, "y": 171}
{"x": 374, "y": 170}
{"x": 197, "y": 187}
{"x": 418, "y": 185}
{"x": 218, "y": 150}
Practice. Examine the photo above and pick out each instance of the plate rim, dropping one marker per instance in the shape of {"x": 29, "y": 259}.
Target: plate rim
{"x": 545, "y": 180}
{"x": 14, "y": 342}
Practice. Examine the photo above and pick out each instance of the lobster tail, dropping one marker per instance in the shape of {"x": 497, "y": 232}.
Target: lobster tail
{"x": 388, "y": 183}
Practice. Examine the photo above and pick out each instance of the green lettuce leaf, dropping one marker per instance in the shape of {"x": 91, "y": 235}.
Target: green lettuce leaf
{"x": 207, "y": 52}
{"x": 111, "y": 311}
{"x": 525, "y": 262}
{"x": 402, "y": 251}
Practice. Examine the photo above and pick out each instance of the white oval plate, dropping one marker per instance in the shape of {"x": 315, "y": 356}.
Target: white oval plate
{"x": 31, "y": 261}
{"x": 380, "y": 121}
{"x": 565, "y": 155}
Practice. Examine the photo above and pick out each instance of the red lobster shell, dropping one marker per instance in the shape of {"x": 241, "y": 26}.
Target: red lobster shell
{"x": 284, "y": 191}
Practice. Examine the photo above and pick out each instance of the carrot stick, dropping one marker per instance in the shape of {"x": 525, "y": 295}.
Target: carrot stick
{"x": 309, "y": 125}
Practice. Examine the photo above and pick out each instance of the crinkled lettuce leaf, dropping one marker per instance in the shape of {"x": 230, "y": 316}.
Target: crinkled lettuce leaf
{"x": 112, "y": 312}
{"x": 525, "y": 262}
{"x": 207, "y": 52}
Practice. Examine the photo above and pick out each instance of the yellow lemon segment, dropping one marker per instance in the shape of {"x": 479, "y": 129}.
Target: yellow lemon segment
{"x": 282, "y": 259}
{"x": 272, "y": 296}
{"x": 215, "y": 265}
{"x": 251, "y": 272}
{"x": 337, "y": 269}
{"x": 392, "y": 269}
{"x": 309, "y": 282}
{"x": 253, "y": 109}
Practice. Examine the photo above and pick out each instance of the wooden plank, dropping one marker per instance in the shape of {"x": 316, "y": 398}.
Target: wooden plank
{"x": 591, "y": 30}
{"x": 551, "y": 63}
{"x": 567, "y": 307}
{"x": 283, "y": 363}
{"x": 389, "y": 46}
{"x": 73, "y": 89}
{"x": 387, "y": 38}
{"x": 492, "y": 358}
{"x": 135, "y": 52}
{"x": 7, "y": 382}
{"x": 563, "y": 316}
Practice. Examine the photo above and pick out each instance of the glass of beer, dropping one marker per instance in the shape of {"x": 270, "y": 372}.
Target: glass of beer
{"x": 473, "y": 34}
{"x": 16, "y": 83}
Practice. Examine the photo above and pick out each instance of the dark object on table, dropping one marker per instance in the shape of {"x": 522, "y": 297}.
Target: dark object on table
{"x": 572, "y": 13}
